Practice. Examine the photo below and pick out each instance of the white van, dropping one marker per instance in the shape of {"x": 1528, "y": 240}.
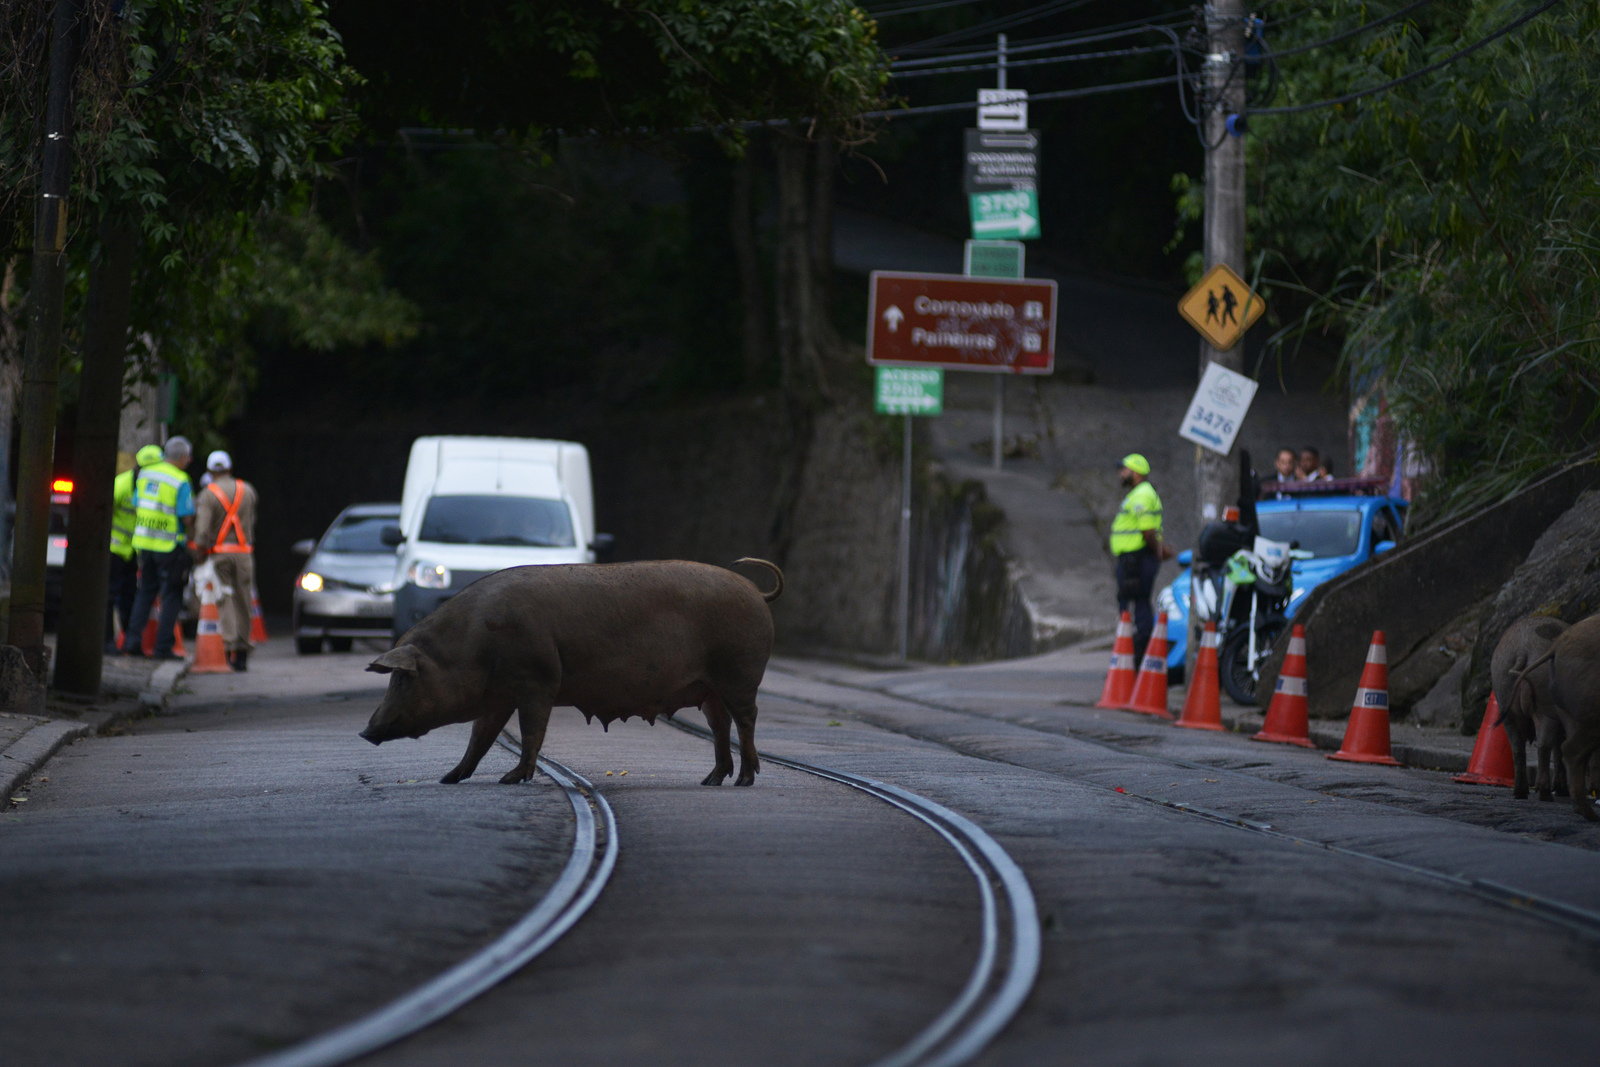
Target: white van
{"x": 475, "y": 505}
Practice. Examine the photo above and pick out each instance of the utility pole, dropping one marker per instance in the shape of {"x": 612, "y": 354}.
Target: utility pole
{"x": 999, "y": 379}
{"x": 41, "y": 365}
{"x": 1216, "y": 477}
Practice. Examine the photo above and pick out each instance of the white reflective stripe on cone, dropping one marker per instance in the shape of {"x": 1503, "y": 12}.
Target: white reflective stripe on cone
{"x": 1122, "y": 662}
{"x": 1297, "y": 647}
{"x": 1372, "y": 698}
{"x": 1290, "y": 686}
{"x": 1208, "y": 639}
{"x": 1377, "y": 654}
{"x": 1153, "y": 663}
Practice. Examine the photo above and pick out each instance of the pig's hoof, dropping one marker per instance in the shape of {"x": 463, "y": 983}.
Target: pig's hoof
{"x": 745, "y": 779}
{"x": 453, "y": 777}
{"x": 515, "y": 775}
{"x": 714, "y": 778}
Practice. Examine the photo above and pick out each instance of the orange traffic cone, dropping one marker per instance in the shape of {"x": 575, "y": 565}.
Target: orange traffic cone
{"x": 1119, "y": 678}
{"x": 1287, "y": 716}
{"x": 148, "y": 643}
{"x": 210, "y": 656}
{"x": 1491, "y": 762}
{"x": 258, "y": 625}
{"x": 1202, "y": 708}
{"x": 1366, "y": 739}
{"x": 1150, "y": 690}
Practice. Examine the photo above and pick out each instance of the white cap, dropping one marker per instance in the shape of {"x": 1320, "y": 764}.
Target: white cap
{"x": 219, "y": 461}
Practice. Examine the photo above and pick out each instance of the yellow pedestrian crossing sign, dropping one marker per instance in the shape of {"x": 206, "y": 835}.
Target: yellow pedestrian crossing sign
{"x": 1221, "y": 307}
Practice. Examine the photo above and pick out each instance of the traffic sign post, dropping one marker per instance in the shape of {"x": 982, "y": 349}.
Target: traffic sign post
{"x": 1003, "y": 325}
{"x": 1218, "y": 409}
{"x": 1012, "y": 214}
{"x": 910, "y": 391}
{"x": 1222, "y": 307}
{"x": 994, "y": 259}
{"x": 1002, "y": 109}
{"x": 1001, "y": 161}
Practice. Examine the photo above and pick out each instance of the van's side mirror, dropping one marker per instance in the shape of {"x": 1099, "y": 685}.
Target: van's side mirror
{"x": 391, "y": 536}
{"x": 1382, "y": 546}
{"x": 602, "y": 544}
{"x": 1186, "y": 558}
{"x": 304, "y": 548}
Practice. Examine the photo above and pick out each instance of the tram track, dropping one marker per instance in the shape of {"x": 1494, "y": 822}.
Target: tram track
{"x": 593, "y": 857}
{"x": 1010, "y": 947}
{"x": 1573, "y": 918}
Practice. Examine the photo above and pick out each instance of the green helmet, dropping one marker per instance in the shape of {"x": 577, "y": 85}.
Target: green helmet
{"x": 149, "y": 456}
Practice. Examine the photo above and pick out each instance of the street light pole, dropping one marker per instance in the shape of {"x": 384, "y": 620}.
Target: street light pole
{"x": 1216, "y": 477}
{"x": 41, "y": 367}
{"x": 905, "y": 547}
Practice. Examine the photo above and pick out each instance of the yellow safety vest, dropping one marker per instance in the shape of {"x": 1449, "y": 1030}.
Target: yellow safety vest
{"x": 122, "y": 515}
{"x": 155, "y": 506}
{"x": 1141, "y": 511}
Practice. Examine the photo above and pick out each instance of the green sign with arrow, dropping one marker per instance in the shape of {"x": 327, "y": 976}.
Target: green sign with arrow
{"x": 1008, "y": 215}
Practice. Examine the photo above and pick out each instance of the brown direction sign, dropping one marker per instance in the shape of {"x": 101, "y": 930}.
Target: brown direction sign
{"x": 1221, "y": 307}
{"x": 961, "y": 323}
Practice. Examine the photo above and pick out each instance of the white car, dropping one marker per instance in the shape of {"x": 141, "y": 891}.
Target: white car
{"x": 476, "y": 505}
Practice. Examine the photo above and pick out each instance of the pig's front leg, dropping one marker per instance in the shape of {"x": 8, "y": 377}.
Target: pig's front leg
{"x": 1519, "y": 757}
{"x": 485, "y": 729}
{"x": 533, "y": 716}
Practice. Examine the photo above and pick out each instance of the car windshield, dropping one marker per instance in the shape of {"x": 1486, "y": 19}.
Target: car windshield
{"x": 359, "y": 533}
{"x": 498, "y": 520}
{"x": 1322, "y": 533}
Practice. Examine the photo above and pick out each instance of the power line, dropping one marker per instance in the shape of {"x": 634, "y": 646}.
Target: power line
{"x": 1429, "y": 69}
{"x": 1063, "y": 94}
{"x": 1034, "y": 44}
{"x": 1032, "y": 14}
{"x": 912, "y": 9}
{"x": 1012, "y": 64}
{"x": 1363, "y": 28}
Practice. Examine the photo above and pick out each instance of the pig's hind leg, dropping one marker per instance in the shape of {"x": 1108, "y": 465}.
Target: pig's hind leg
{"x": 533, "y": 717}
{"x": 744, "y": 716}
{"x": 485, "y": 728}
{"x": 720, "y": 721}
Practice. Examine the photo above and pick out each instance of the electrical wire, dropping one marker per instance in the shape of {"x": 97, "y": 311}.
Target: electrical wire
{"x": 1028, "y": 46}
{"x": 1012, "y": 64}
{"x": 1032, "y": 14}
{"x": 1357, "y": 31}
{"x": 1429, "y": 69}
{"x": 912, "y": 9}
{"x": 1095, "y": 34}
{"x": 1063, "y": 94}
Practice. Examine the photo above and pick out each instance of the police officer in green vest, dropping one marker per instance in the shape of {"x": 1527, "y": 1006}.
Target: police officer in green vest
{"x": 124, "y": 585}
{"x": 1137, "y": 547}
{"x": 163, "y": 506}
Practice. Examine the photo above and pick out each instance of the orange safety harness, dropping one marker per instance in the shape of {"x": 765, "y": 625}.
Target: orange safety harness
{"x": 231, "y": 519}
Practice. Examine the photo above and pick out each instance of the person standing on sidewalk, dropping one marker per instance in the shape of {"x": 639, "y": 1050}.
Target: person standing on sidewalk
{"x": 1137, "y": 547}
{"x": 163, "y": 506}
{"x": 123, "y": 588}
{"x": 225, "y": 532}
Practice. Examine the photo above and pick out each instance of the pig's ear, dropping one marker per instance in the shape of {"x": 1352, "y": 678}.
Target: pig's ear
{"x": 399, "y": 658}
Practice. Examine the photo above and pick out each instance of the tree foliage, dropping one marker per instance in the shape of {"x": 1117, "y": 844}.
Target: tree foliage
{"x": 1449, "y": 228}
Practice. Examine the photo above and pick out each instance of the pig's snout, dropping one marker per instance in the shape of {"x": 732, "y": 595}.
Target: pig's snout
{"x": 373, "y": 734}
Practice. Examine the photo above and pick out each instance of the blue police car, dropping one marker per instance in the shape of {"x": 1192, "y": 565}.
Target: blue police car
{"x": 1340, "y": 523}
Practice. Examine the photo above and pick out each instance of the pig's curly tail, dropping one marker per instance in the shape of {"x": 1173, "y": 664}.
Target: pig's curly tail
{"x": 777, "y": 590}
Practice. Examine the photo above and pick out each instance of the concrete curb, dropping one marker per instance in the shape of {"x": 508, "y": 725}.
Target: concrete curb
{"x": 163, "y": 681}
{"x": 25, "y": 756}
{"x": 1328, "y": 736}
{"x": 33, "y": 749}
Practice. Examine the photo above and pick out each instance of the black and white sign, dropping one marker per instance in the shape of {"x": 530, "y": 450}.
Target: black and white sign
{"x": 1002, "y": 109}
{"x": 999, "y": 161}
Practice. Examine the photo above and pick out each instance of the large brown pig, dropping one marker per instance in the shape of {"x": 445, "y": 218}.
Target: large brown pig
{"x": 613, "y": 640}
{"x": 1527, "y": 711}
{"x": 1574, "y": 660}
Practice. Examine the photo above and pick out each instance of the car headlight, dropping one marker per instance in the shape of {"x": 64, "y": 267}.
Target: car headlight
{"x": 311, "y": 582}
{"x": 427, "y": 575}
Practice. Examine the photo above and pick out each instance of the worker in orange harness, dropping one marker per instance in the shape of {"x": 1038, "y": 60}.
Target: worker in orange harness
{"x": 225, "y": 533}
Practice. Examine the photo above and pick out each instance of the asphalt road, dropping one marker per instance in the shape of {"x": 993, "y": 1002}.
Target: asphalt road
{"x": 183, "y": 897}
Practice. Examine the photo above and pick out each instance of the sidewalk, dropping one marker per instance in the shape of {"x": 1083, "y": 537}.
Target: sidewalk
{"x": 129, "y": 687}
{"x": 1073, "y": 677}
